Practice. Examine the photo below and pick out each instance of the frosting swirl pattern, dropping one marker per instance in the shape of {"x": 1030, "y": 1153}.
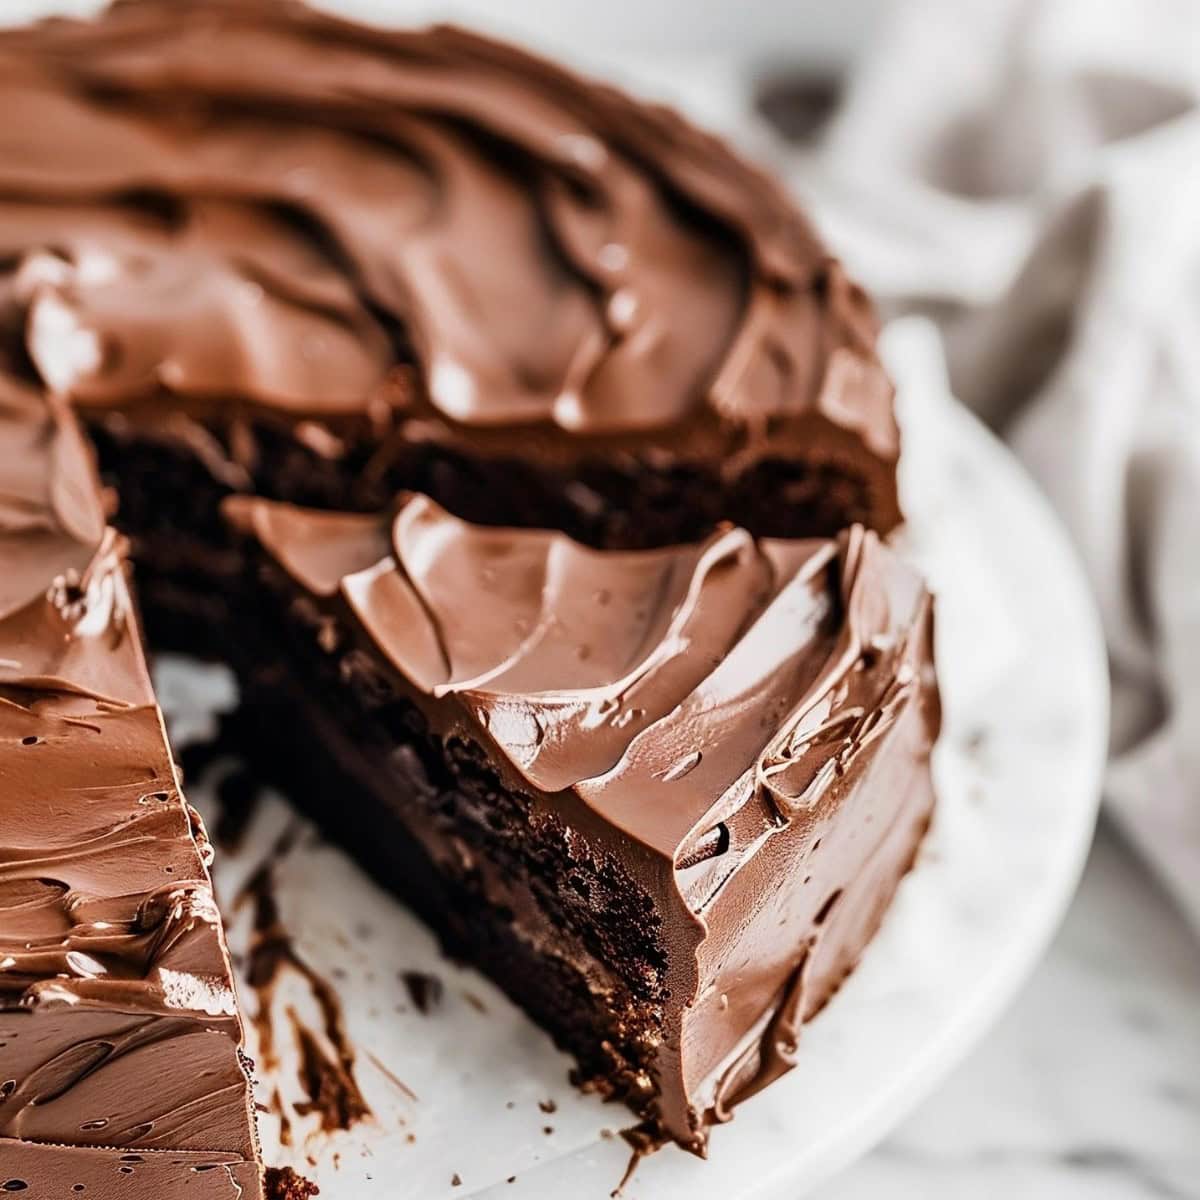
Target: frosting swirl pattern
{"x": 218, "y": 205}
{"x": 612, "y": 671}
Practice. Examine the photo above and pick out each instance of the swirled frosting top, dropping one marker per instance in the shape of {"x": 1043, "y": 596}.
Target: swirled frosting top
{"x": 617, "y": 673}
{"x": 250, "y": 202}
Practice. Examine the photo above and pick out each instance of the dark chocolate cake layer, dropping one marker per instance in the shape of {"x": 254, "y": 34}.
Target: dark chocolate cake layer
{"x": 663, "y": 797}
{"x": 264, "y": 250}
{"x": 121, "y": 1071}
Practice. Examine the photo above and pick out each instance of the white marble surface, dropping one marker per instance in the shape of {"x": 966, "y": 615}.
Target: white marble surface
{"x": 1089, "y": 1089}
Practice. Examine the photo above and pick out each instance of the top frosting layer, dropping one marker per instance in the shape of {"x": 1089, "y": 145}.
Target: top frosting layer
{"x": 616, "y": 673}
{"x": 252, "y": 202}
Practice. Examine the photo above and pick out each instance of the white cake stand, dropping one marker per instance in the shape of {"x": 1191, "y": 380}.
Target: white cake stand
{"x": 1025, "y": 687}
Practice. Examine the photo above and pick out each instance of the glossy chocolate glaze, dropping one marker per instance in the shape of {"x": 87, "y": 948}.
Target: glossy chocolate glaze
{"x": 745, "y": 725}
{"x": 119, "y": 1038}
{"x": 227, "y": 207}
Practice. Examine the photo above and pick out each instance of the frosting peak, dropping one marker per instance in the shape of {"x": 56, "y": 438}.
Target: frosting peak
{"x": 562, "y": 653}
{"x": 682, "y": 680}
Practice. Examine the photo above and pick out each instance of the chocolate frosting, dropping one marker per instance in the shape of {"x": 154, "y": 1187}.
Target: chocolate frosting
{"x": 113, "y": 970}
{"x": 237, "y": 208}
{"x": 709, "y": 709}
{"x": 251, "y": 204}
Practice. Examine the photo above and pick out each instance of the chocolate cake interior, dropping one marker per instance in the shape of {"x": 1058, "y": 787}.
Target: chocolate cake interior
{"x": 515, "y": 888}
{"x": 567, "y": 933}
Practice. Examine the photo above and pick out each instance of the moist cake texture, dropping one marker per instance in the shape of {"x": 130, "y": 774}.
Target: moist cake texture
{"x": 121, "y": 1072}
{"x": 529, "y": 455}
{"x": 662, "y": 796}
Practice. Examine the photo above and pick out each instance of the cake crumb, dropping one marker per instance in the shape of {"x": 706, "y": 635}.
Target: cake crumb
{"x": 547, "y": 1106}
{"x": 456, "y": 1180}
{"x": 282, "y": 1183}
{"x": 424, "y": 990}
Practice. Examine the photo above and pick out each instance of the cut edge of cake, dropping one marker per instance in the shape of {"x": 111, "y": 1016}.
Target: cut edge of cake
{"x": 662, "y": 797}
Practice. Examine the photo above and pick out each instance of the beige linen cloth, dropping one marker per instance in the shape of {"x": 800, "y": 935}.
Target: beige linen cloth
{"x": 1028, "y": 174}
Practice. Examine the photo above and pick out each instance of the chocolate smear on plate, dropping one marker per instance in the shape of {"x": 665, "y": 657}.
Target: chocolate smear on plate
{"x": 326, "y": 1070}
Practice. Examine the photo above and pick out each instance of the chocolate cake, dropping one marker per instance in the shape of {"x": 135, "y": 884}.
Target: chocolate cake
{"x": 521, "y": 445}
{"x": 662, "y": 797}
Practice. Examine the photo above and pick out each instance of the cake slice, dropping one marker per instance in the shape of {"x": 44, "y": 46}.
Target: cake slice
{"x": 121, "y": 1069}
{"x": 662, "y": 797}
